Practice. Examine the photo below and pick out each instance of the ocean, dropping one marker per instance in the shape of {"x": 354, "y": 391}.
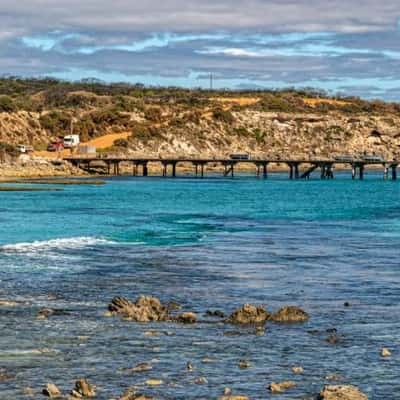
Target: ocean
{"x": 207, "y": 244}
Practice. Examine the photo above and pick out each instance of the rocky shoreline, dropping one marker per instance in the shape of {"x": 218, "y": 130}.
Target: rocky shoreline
{"x": 148, "y": 309}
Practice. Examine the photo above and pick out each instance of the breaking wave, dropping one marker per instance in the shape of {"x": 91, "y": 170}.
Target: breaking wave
{"x": 53, "y": 245}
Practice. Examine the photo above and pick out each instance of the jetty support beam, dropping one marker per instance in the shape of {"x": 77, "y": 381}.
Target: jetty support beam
{"x": 394, "y": 171}
{"x": 309, "y": 171}
{"x": 294, "y": 170}
{"x": 262, "y": 165}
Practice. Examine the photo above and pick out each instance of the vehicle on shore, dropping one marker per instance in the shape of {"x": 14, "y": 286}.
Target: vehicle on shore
{"x": 71, "y": 141}
{"x": 55, "y": 145}
{"x": 373, "y": 158}
{"x": 240, "y": 156}
{"x": 22, "y": 148}
{"x": 344, "y": 158}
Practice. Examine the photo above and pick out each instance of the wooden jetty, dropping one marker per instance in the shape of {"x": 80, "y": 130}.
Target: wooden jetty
{"x": 169, "y": 166}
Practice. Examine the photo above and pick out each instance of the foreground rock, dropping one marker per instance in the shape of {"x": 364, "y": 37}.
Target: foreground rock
{"x": 233, "y": 398}
{"x": 249, "y": 314}
{"x": 385, "y": 352}
{"x": 186, "y": 318}
{"x": 83, "y": 389}
{"x": 275, "y": 387}
{"x": 140, "y": 368}
{"x": 10, "y": 303}
{"x": 131, "y": 394}
{"x": 144, "y": 309}
{"x": 46, "y": 312}
{"x": 51, "y": 391}
{"x": 341, "y": 392}
{"x": 290, "y": 314}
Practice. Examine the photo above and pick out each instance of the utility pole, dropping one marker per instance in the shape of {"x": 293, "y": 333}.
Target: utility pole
{"x": 211, "y": 81}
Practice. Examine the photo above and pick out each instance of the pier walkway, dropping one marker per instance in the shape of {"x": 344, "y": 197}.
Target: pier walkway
{"x": 297, "y": 169}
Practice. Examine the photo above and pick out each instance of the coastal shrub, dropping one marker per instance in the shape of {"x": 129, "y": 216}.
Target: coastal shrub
{"x": 222, "y": 115}
{"x": 153, "y": 114}
{"x": 85, "y": 128}
{"x": 55, "y": 122}
{"x": 145, "y": 133}
{"x": 8, "y": 149}
{"x": 123, "y": 104}
{"x": 7, "y": 104}
{"x": 259, "y": 136}
{"x": 121, "y": 143}
{"x": 109, "y": 117}
{"x": 242, "y": 132}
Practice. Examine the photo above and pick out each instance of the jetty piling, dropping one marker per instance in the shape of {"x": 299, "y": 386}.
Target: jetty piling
{"x": 112, "y": 165}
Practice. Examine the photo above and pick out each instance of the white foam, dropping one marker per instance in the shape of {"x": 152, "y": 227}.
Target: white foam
{"x": 52, "y": 245}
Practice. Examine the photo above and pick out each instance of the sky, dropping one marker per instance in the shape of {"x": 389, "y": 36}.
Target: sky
{"x": 350, "y": 47}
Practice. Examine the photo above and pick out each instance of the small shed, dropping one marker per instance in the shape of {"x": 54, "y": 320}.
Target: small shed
{"x": 86, "y": 150}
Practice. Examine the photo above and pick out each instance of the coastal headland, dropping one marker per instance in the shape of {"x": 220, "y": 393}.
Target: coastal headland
{"x": 132, "y": 121}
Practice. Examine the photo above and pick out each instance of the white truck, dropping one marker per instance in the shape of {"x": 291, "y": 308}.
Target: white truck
{"x": 71, "y": 141}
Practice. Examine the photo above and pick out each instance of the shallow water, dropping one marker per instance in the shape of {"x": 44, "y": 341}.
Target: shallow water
{"x": 212, "y": 243}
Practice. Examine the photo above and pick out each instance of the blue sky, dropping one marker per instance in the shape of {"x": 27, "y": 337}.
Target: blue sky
{"x": 340, "y": 46}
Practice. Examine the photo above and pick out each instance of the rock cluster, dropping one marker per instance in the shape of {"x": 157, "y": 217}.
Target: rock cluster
{"x": 52, "y": 391}
{"x": 186, "y": 318}
{"x": 131, "y": 394}
{"x": 341, "y": 392}
{"x": 249, "y": 314}
{"x": 83, "y": 388}
{"x": 144, "y": 309}
{"x": 278, "y": 387}
{"x": 290, "y": 314}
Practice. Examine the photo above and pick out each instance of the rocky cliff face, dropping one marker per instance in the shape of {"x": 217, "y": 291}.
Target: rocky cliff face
{"x": 264, "y": 134}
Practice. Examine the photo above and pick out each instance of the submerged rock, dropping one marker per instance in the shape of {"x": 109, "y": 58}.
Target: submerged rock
{"x": 83, "y": 389}
{"x": 297, "y": 370}
{"x": 259, "y": 331}
{"x": 46, "y": 312}
{"x": 154, "y": 382}
{"x": 145, "y": 309}
{"x": 249, "y": 314}
{"x": 290, "y": 314}
{"x": 28, "y": 392}
{"x": 4, "y": 376}
{"x": 189, "y": 366}
{"x": 385, "y": 352}
{"x": 200, "y": 381}
{"x": 131, "y": 394}
{"x": 139, "y": 368}
{"x": 186, "y": 318}
{"x": 10, "y": 303}
{"x": 51, "y": 391}
{"x": 233, "y": 398}
{"x": 173, "y": 305}
{"x": 275, "y": 387}
{"x": 334, "y": 378}
{"x": 332, "y": 339}
{"x": 215, "y": 313}
{"x": 243, "y": 364}
{"x": 341, "y": 392}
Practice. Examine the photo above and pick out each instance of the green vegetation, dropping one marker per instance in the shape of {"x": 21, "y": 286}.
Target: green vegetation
{"x": 90, "y": 94}
{"x": 8, "y": 149}
{"x": 121, "y": 143}
{"x": 222, "y": 115}
{"x": 7, "y": 104}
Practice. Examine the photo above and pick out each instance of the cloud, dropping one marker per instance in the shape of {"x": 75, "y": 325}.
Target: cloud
{"x": 336, "y": 44}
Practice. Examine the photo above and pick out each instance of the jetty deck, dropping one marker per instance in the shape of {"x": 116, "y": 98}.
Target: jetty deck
{"x": 297, "y": 169}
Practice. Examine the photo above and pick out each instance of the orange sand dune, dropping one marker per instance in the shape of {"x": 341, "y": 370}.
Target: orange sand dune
{"x": 314, "y": 102}
{"x": 242, "y": 101}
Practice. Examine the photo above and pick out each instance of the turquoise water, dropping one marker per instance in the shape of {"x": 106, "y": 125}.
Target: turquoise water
{"x": 207, "y": 244}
